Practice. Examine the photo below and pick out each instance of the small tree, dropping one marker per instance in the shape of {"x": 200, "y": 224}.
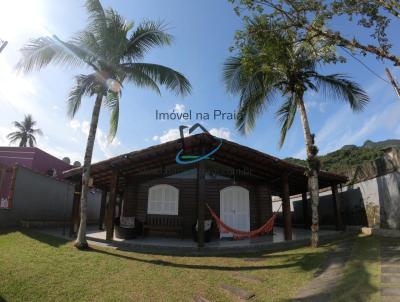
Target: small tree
{"x": 113, "y": 50}
{"x": 26, "y": 132}
{"x": 271, "y": 63}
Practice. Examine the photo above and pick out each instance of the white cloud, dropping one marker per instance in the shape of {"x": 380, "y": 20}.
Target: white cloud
{"x": 340, "y": 130}
{"x": 4, "y": 131}
{"x": 179, "y": 108}
{"x": 173, "y": 134}
{"x": 221, "y": 132}
{"x": 169, "y": 135}
{"x": 74, "y": 124}
{"x": 321, "y": 106}
{"x": 109, "y": 149}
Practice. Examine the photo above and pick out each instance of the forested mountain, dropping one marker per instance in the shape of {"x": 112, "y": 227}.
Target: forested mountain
{"x": 351, "y": 155}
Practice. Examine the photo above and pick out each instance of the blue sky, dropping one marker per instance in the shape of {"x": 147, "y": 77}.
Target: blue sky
{"x": 203, "y": 32}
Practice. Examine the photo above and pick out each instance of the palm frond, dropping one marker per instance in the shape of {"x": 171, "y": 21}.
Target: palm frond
{"x": 32, "y": 141}
{"x": 285, "y": 115}
{"x": 232, "y": 74}
{"x": 147, "y": 35}
{"x": 84, "y": 86}
{"x": 254, "y": 97}
{"x": 19, "y": 125}
{"x": 36, "y": 131}
{"x": 158, "y": 74}
{"x": 42, "y": 51}
{"x": 87, "y": 40}
{"x": 14, "y": 136}
{"x": 96, "y": 15}
{"x": 339, "y": 87}
{"x": 112, "y": 102}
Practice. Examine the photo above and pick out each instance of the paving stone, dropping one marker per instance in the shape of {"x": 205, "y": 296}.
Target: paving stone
{"x": 254, "y": 259}
{"x": 390, "y": 299}
{"x": 327, "y": 277}
{"x": 390, "y": 291}
{"x": 311, "y": 296}
{"x": 390, "y": 279}
{"x": 238, "y": 292}
{"x": 248, "y": 278}
{"x": 323, "y": 285}
{"x": 200, "y": 299}
{"x": 390, "y": 253}
{"x": 390, "y": 247}
{"x": 389, "y": 261}
{"x": 390, "y": 269}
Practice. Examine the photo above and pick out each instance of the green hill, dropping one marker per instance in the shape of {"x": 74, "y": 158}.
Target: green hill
{"x": 351, "y": 155}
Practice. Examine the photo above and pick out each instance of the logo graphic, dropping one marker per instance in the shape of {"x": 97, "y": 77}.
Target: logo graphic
{"x": 185, "y": 159}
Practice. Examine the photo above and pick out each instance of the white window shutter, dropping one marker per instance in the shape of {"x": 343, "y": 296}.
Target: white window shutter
{"x": 163, "y": 200}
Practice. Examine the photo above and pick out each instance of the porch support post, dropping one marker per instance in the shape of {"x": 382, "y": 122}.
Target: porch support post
{"x": 201, "y": 203}
{"x": 287, "y": 216}
{"x": 336, "y": 207}
{"x": 102, "y": 208}
{"x": 75, "y": 217}
{"x": 306, "y": 218}
{"x": 111, "y": 206}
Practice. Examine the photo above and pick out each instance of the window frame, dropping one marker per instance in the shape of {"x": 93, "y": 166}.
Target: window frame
{"x": 162, "y": 187}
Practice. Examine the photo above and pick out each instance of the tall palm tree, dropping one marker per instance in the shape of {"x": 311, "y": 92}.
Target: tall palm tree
{"x": 26, "y": 132}
{"x": 271, "y": 65}
{"x": 113, "y": 50}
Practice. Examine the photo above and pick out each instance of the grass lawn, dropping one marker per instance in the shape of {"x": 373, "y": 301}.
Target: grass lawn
{"x": 37, "y": 267}
{"x": 361, "y": 279}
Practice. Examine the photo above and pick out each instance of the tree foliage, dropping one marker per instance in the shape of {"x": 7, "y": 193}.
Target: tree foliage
{"x": 113, "y": 50}
{"x": 25, "y": 135}
{"x": 313, "y": 19}
{"x": 344, "y": 158}
{"x": 272, "y": 63}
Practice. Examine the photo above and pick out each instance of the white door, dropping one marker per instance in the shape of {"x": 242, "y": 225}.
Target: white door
{"x": 235, "y": 209}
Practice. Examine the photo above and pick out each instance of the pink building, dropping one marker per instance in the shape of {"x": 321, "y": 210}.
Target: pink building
{"x": 31, "y": 158}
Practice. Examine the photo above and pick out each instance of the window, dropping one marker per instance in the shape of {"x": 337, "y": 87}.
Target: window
{"x": 163, "y": 199}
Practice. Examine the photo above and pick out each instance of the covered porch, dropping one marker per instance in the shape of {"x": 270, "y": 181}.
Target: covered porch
{"x": 130, "y": 177}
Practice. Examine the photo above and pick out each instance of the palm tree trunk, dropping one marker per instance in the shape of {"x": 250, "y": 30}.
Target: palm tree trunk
{"x": 313, "y": 173}
{"x": 81, "y": 242}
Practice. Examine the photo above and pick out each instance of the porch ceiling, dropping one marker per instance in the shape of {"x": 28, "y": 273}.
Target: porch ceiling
{"x": 258, "y": 165}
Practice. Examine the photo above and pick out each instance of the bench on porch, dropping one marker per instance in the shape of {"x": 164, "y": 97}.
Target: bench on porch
{"x": 163, "y": 223}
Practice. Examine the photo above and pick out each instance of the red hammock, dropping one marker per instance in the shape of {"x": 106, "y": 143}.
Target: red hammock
{"x": 267, "y": 228}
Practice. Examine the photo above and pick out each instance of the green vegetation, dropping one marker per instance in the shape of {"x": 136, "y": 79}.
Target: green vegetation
{"x": 314, "y": 18}
{"x": 345, "y": 158}
{"x": 37, "y": 267}
{"x": 361, "y": 280}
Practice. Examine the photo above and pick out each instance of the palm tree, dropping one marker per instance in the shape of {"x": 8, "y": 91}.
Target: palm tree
{"x": 113, "y": 50}
{"x": 26, "y": 132}
{"x": 271, "y": 65}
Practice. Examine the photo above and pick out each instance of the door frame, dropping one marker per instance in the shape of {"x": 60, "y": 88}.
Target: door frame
{"x": 221, "y": 192}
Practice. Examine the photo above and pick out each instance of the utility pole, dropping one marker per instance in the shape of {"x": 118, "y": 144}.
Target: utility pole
{"x": 393, "y": 81}
{"x": 3, "y": 45}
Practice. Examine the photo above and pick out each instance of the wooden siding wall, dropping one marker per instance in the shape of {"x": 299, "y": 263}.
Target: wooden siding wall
{"x": 136, "y": 196}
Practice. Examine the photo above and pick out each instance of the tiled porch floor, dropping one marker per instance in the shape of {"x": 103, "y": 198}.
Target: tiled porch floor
{"x": 277, "y": 237}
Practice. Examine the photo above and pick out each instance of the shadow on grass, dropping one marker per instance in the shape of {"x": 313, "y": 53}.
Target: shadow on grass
{"x": 356, "y": 284}
{"x": 43, "y": 238}
{"x": 2, "y": 299}
{"x": 305, "y": 261}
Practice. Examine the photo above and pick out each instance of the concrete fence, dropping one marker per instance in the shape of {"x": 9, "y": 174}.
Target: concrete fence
{"x": 43, "y": 200}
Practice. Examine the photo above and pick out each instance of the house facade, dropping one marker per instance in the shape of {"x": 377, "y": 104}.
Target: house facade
{"x": 162, "y": 183}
